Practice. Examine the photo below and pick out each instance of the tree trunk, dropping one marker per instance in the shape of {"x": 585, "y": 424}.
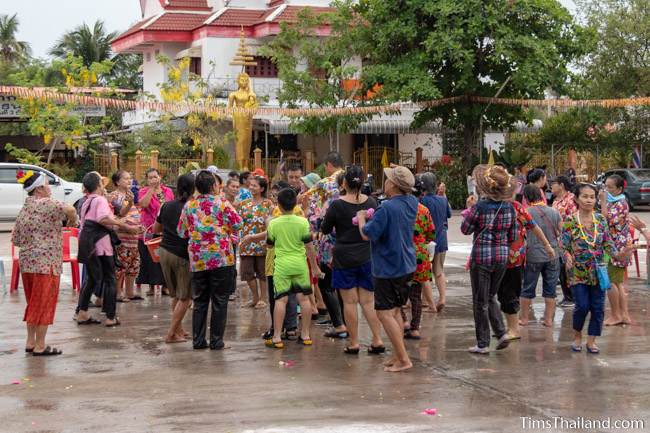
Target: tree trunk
{"x": 55, "y": 142}
{"x": 469, "y": 145}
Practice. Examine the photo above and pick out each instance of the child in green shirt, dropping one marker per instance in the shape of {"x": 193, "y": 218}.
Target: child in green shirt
{"x": 289, "y": 235}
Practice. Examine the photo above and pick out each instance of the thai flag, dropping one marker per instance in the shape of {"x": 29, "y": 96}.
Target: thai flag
{"x": 636, "y": 158}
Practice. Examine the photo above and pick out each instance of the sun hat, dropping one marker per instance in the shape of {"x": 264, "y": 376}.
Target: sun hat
{"x": 494, "y": 182}
{"x": 310, "y": 180}
{"x": 402, "y": 177}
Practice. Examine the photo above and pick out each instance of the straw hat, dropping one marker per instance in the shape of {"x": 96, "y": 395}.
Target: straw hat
{"x": 401, "y": 177}
{"x": 494, "y": 182}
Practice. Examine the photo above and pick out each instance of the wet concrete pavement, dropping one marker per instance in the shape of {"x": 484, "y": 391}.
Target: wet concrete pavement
{"x": 126, "y": 379}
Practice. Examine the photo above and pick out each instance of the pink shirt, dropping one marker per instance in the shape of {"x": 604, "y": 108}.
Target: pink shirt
{"x": 95, "y": 208}
{"x": 150, "y": 213}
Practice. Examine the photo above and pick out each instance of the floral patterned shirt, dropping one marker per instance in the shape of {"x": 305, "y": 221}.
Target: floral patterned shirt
{"x": 619, "y": 229}
{"x": 254, "y": 216}
{"x": 211, "y": 225}
{"x": 321, "y": 196}
{"x": 524, "y": 222}
{"x": 566, "y": 205}
{"x": 585, "y": 248}
{"x": 424, "y": 233}
{"x": 38, "y": 235}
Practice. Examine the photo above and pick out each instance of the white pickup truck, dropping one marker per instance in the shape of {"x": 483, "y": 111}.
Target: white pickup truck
{"x": 12, "y": 195}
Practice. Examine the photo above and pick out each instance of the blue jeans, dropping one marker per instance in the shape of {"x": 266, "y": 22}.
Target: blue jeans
{"x": 588, "y": 299}
{"x": 550, "y": 275}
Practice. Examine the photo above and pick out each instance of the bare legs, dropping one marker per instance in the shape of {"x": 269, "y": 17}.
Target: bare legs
{"x": 31, "y": 337}
{"x": 392, "y": 323}
{"x": 549, "y": 312}
{"x": 367, "y": 301}
{"x": 351, "y": 298}
{"x": 258, "y": 293}
{"x": 176, "y": 333}
{"x": 615, "y": 316}
{"x": 427, "y": 296}
{"x": 441, "y": 284}
{"x": 524, "y": 310}
{"x": 280, "y": 310}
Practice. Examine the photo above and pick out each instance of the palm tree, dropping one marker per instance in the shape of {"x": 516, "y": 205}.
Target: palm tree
{"x": 12, "y": 50}
{"x": 92, "y": 45}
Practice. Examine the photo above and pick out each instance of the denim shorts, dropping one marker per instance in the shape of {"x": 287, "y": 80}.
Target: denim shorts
{"x": 550, "y": 272}
{"x": 361, "y": 276}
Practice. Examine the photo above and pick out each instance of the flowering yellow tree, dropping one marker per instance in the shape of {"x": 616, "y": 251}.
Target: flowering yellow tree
{"x": 203, "y": 131}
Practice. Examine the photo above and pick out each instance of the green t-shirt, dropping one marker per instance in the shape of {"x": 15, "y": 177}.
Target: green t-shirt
{"x": 288, "y": 234}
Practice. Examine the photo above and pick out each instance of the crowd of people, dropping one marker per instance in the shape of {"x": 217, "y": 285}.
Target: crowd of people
{"x": 312, "y": 249}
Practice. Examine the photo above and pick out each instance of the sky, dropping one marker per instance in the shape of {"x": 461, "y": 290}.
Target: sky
{"x": 42, "y": 22}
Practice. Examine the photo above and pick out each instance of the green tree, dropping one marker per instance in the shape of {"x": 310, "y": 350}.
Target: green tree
{"x": 11, "y": 49}
{"x": 314, "y": 69}
{"x": 423, "y": 49}
{"x": 618, "y": 63}
{"x": 93, "y": 45}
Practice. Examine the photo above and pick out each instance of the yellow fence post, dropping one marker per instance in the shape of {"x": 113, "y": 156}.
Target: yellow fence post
{"x": 154, "y": 159}
{"x": 309, "y": 161}
{"x": 113, "y": 162}
{"x": 419, "y": 161}
{"x": 257, "y": 154}
{"x": 138, "y": 165}
{"x": 210, "y": 156}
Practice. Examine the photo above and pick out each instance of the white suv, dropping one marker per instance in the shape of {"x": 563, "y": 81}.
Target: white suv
{"x": 12, "y": 195}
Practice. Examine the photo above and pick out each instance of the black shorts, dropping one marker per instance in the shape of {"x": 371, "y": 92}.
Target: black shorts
{"x": 391, "y": 292}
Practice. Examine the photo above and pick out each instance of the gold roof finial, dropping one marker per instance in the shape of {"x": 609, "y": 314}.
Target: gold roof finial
{"x": 243, "y": 58}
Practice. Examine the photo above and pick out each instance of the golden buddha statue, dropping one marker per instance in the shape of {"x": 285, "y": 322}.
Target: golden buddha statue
{"x": 242, "y": 123}
{"x": 243, "y": 97}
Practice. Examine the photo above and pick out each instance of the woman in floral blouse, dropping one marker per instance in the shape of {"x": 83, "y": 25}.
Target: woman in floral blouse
{"x": 585, "y": 240}
{"x": 151, "y": 198}
{"x": 423, "y": 234}
{"x": 616, "y": 210}
{"x": 211, "y": 225}
{"x": 38, "y": 235}
{"x": 254, "y": 213}
{"x": 121, "y": 199}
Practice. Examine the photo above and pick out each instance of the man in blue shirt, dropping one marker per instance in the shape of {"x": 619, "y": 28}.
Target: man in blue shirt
{"x": 440, "y": 213}
{"x": 390, "y": 232}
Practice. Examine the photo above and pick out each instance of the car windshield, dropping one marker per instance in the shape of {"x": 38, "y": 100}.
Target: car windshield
{"x": 642, "y": 174}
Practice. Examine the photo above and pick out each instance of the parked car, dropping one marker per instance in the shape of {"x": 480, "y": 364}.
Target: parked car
{"x": 12, "y": 195}
{"x": 637, "y": 191}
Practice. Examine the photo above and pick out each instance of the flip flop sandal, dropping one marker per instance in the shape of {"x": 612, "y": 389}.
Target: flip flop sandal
{"x": 125, "y": 300}
{"x": 49, "y": 351}
{"x": 136, "y": 298}
{"x": 112, "y": 325}
{"x": 307, "y": 342}
{"x": 409, "y": 336}
{"x": 274, "y": 345}
{"x": 440, "y": 307}
{"x": 351, "y": 351}
{"x": 340, "y": 335}
{"x": 376, "y": 350}
{"x": 593, "y": 350}
{"x": 267, "y": 335}
{"x": 29, "y": 350}
{"x": 290, "y": 335}
{"x": 89, "y": 321}
{"x": 576, "y": 348}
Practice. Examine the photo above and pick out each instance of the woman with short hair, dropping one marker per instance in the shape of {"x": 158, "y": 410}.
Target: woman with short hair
{"x": 254, "y": 212}
{"x": 151, "y": 198}
{"x": 96, "y": 251}
{"x": 122, "y": 200}
{"x": 37, "y": 233}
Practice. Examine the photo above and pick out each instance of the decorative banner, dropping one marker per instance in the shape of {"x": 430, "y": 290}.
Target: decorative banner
{"x": 185, "y": 107}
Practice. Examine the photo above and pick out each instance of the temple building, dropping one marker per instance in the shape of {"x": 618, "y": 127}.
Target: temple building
{"x": 208, "y": 32}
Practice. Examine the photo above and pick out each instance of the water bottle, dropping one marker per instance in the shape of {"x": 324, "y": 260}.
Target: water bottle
{"x": 135, "y": 190}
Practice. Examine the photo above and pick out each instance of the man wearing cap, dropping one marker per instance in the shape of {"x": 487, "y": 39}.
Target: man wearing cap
{"x": 390, "y": 232}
